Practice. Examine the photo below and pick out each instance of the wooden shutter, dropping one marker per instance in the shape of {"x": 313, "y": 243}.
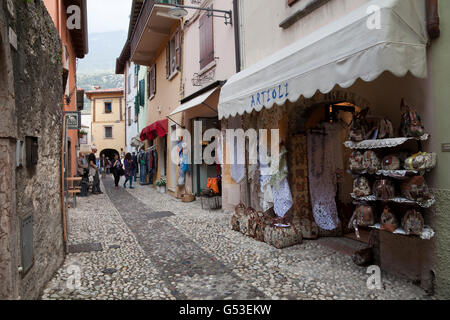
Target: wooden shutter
{"x": 178, "y": 49}
{"x": 168, "y": 60}
{"x": 153, "y": 79}
{"x": 206, "y": 40}
{"x": 149, "y": 80}
{"x": 291, "y": 2}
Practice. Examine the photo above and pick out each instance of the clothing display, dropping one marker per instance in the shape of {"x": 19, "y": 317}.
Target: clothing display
{"x": 323, "y": 159}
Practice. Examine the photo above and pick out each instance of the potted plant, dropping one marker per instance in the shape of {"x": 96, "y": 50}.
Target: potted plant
{"x": 161, "y": 185}
{"x": 82, "y": 133}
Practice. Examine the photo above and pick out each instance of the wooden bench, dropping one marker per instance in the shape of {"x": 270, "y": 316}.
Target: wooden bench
{"x": 74, "y": 190}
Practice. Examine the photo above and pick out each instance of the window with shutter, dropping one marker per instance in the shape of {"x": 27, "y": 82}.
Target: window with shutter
{"x": 291, "y": 2}
{"x": 178, "y": 49}
{"x": 206, "y": 40}
{"x": 168, "y": 60}
{"x": 152, "y": 81}
{"x": 142, "y": 92}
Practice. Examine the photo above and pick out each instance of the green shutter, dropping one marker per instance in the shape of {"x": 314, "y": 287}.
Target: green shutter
{"x": 142, "y": 92}
{"x": 136, "y": 105}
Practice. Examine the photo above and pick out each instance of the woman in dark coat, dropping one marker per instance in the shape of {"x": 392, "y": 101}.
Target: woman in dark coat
{"x": 128, "y": 163}
{"x": 116, "y": 168}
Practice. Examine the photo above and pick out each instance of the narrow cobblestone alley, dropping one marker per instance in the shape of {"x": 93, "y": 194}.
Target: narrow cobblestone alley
{"x": 156, "y": 247}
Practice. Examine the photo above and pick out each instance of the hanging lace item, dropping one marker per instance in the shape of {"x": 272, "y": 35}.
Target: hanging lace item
{"x": 237, "y": 168}
{"x": 282, "y": 196}
{"x": 322, "y": 161}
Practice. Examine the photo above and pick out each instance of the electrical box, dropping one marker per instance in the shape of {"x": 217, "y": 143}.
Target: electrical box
{"x": 26, "y": 242}
{"x": 32, "y": 148}
{"x": 20, "y": 154}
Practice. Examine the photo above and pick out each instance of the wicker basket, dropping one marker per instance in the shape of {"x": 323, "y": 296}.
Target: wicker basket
{"x": 187, "y": 198}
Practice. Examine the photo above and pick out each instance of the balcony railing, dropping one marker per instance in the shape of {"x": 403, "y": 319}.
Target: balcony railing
{"x": 143, "y": 18}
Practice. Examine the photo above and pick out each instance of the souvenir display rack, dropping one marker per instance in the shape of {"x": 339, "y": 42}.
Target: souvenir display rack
{"x": 428, "y": 232}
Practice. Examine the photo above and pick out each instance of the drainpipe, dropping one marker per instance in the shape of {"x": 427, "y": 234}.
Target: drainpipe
{"x": 237, "y": 37}
{"x": 433, "y": 19}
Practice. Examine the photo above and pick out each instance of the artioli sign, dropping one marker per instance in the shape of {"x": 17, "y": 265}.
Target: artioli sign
{"x": 277, "y": 93}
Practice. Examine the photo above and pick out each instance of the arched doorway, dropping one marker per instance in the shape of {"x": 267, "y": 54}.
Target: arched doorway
{"x": 109, "y": 153}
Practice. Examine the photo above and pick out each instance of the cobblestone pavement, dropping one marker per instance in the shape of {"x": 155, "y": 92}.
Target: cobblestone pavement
{"x": 157, "y": 247}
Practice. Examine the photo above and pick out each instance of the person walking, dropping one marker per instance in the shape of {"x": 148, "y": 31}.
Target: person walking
{"x": 128, "y": 164}
{"x": 93, "y": 171}
{"x": 135, "y": 166}
{"x": 103, "y": 165}
{"x": 116, "y": 170}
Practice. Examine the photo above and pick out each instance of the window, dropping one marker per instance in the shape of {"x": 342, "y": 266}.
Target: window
{"x": 136, "y": 75}
{"x": 129, "y": 84}
{"x": 291, "y": 2}
{"x": 108, "y": 107}
{"x": 108, "y": 132}
{"x": 84, "y": 139}
{"x": 129, "y": 116}
{"x": 31, "y": 151}
{"x": 173, "y": 54}
{"x": 151, "y": 81}
{"x": 206, "y": 40}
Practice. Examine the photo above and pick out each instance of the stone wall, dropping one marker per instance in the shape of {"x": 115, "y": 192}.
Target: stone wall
{"x": 37, "y": 91}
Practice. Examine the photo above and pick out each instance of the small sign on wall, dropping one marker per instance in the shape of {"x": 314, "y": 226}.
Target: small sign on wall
{"x": 12, "y": 38}
{"x": 73, "y": 120}
{"x": 446, "y": 147}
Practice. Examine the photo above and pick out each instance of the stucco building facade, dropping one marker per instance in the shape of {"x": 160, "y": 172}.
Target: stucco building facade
{"x": 108, "y": 121}
{"x": 292, "y": 28}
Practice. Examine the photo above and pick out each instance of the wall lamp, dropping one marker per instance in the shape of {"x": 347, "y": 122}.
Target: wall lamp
{"x": 179, "y": 11}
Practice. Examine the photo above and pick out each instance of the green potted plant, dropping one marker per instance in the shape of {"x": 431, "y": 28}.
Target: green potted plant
{"x": 82, "y": 133}
{"x": 161, "y": 185}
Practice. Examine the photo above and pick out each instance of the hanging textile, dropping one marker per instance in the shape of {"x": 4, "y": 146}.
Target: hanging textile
{"x": 282, "y": 196}
{"x": 322, "y": 159}
{"x": 237, "y": 169}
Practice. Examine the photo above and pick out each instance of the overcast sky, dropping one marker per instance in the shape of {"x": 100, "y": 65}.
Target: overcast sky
{"x": 108, "y": 15}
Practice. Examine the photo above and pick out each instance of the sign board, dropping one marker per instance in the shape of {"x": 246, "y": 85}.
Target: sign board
{"x": 73, "y": 120}
{"x": 446, "y": 147}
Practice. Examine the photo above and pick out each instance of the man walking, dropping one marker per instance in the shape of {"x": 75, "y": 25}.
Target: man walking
{"x": 103, "y": 165}
{"x": 93, "y": 170}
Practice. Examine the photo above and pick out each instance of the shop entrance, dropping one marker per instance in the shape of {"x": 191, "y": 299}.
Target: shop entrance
{"x": 326, "y": 129}
{"x": 201, "y": 172}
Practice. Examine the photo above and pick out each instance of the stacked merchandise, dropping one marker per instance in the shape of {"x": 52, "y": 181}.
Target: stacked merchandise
{"x": 388, "y": 182}
{"x": 264, "y": 227}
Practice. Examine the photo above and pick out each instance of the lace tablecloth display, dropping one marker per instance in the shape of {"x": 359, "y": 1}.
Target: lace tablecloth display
{"x": 322, "y": 177}
{"x": 382, "y": 143}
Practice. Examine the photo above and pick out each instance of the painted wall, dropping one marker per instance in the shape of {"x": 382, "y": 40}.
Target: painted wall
{"x": 166, "y": 100}
{"x": 131, "y": 85}
{"x": 57, "y": 11}
{"x": 440, "y": 66}
{"x": 142, "y": 119}
{"x": 115, "y": 119}
{"x": 224, "y": 66}
{"x": 261, "y": 34}
{"x": 221, "y": 69}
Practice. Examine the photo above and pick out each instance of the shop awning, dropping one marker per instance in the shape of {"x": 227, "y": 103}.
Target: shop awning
{"x": 338, "y": 54}
{"x": 156, "y": 129}
{"x": 194, "y": 102}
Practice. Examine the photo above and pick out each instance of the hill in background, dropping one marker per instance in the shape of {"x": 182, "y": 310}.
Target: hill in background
{"x": 98, "y": 67}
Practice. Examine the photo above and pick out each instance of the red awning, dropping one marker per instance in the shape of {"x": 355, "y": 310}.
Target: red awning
{"x": 157, "y": 129}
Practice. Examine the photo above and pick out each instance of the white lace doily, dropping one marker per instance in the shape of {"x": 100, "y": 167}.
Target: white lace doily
{"x": 381, "y": 143}
{"x": 427, "y": 233}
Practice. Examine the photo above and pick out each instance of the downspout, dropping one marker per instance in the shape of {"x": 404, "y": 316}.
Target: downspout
{"x": 237, "y": 36}
{"x": 433, "y": 19}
